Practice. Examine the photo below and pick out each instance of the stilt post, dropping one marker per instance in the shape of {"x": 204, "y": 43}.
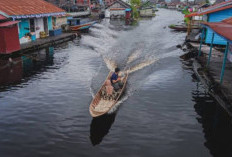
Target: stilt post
{"x": 202, "y": 35}
{"x": 210, "y": 51}
{"x": 224, "y": 63}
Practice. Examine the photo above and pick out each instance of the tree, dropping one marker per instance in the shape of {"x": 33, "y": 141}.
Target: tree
{"x": 134, "y": 5}
{"x": 135, "y": 2}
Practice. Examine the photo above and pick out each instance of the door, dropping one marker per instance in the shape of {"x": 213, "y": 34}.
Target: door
{"x": 45, "y": 20}
{"x": 39, "y": 26}
{"x": 32, "y": 25}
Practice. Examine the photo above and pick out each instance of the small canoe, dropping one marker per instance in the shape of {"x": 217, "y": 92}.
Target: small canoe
{"x": 82, "y": 26}
{"x": 100, "y": 104}
{"x": 181, "y": 27}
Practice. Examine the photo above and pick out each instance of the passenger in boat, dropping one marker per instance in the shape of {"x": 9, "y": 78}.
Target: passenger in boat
{"x": 116, "y": 80}
{"x": 109, "y": 87}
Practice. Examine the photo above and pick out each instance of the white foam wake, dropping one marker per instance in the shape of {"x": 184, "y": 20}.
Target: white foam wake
{"x": 142, "y": 65}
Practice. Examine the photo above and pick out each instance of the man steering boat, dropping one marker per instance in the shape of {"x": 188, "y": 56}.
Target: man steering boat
{"x": 116, "y": 80}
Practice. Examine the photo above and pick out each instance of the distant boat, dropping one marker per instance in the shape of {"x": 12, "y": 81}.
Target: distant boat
{"x": 181, "y": 27}
{"x": 76, "y": 24}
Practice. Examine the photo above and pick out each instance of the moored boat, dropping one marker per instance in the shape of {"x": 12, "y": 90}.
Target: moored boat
{"x": 103, "y": 103}
{"x": 76, "y": 24}
{"x": 181, "y": 27}
{"x": 82, "y": 26}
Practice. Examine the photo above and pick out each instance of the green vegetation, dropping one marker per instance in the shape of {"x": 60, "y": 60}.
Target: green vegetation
{"x": 147, "y": 4}
{"x": 186, "y": 12}
{"x": 135, "y": 2}
{"x": 186, "y": 20}
{"x": 134, "y": 5}
{"x": 170, "y": 26}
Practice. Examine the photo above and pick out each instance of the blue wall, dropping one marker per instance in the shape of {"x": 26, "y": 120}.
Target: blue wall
{"x": 24, "y": 23}
{"x": 50, "y": 27}
{"x": 217, "y": 17}
{"x": 23, "y": 27}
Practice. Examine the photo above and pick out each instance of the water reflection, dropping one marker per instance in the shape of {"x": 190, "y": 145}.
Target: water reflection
{"x": 100, "y": 127}
{"x": 216, "y": 124}
{"x": 15, "y": 70}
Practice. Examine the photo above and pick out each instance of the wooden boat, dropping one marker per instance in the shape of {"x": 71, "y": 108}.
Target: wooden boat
{"x": 178, "y": 27}
{"x": 77, "y": 24}
{"x": 101, "y": 105}
{"x": 82, "y": 26}
{"x": 181, "y": 27}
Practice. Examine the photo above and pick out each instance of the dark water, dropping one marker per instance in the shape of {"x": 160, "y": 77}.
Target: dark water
{"x": 165, "y": 112}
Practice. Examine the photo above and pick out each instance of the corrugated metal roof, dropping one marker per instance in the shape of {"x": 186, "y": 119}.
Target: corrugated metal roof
{"x": 9, "y": 23}
{"x": 217, "y": 7}
{"x": 124, "y": 4}
{"x": 27, "y": 7}
{"x": 228, "y": 21}
{"x": 223, "y": 28}
{"x": 117, "y": 8}
{"x": 2, "y": 17}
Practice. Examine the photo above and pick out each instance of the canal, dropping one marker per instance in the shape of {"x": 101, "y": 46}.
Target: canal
{"x": 165, "y": 112}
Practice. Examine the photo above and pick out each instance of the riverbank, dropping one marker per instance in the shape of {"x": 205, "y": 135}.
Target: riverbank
{"x": 209, "y": 72}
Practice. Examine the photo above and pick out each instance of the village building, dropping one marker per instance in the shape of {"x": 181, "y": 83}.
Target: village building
{"x": 216, "y": 13}
{"x": 118, "y": 9}
{"x": 72, "y": 5}
{"x": 162, "y": 5}
{"x": 35, "y": 17}
{"x": 108, "y": 2}
{"x": 171, "y": 5}
{"x": 9, "y": 41}
{"x": 152, "y": 1}
{"x": 175, "y": 5}
{"x": 146, "y": 9}
{"x": 195, "y": 22}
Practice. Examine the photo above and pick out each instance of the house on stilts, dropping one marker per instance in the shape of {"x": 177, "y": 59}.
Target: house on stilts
{"x": 35, "y": 17}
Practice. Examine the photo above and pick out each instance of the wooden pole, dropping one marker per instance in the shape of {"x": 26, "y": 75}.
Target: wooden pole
{"x": 210, "y": 51}
{"x": 202, "y": 35}
{"x": 188, "y": 28}
{"x": 224, "y": 63}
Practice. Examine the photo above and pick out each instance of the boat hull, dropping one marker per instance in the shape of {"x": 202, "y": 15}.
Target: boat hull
{"x": 100, "y": 106}
{"x": 82, "y": 26}
{"x": 181, "y": 28}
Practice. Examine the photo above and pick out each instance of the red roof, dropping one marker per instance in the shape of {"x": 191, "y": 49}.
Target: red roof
{"x": 117, "y": 8}
{"x": 217, "y": 7}
{"x": 27, "y": 7}
{"x": 192, "y": 14}
{"x": 223, "y": 28}
{"x": 7, "y": 24}
{"x": 2, "y": 17}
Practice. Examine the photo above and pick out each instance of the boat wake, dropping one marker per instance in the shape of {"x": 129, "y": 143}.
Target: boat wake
{"x": 142, "y": 65}
{"x": 103, "y": 41}
{"x": 116, "y": 106}
{"x": 136, "y": 53}
{"x": 111, "y": 65}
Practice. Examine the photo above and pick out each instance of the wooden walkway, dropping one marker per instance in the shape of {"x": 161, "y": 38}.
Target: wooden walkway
{"x": 49, "y": 41}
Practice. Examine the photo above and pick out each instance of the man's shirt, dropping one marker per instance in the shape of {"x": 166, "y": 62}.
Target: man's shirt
{"x": 114, "y": 77}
